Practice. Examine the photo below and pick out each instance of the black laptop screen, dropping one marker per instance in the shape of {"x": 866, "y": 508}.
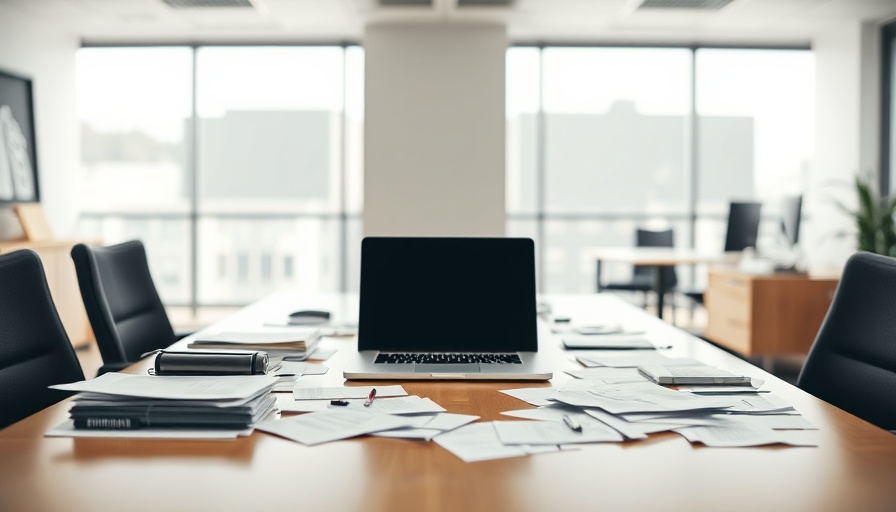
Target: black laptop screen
{"x": 447, "y": 295}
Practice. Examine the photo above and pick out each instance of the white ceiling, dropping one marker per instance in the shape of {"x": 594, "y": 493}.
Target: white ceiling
{"x": 742, "y": 21}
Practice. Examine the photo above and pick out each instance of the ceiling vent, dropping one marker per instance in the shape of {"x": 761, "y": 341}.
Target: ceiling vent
{"x": 484, "y": 3}
{"x": 406, "y": 3}
{"x": 209, "y": 4}
{"x": 696, "y": 5}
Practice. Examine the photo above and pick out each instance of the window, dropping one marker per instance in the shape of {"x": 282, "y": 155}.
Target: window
{"x": 262, "y": 154}
{"x": 601, "y": 141}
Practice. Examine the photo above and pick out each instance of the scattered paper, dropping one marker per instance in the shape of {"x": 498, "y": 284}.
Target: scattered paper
{"x": 743, "y": 435}
{"x": 533, "y": 396}
{"x": 297, "y": 368}
{"x": 337, "y": 393}
{"x": 332, "y": 425}
{"x": 554, "y": 433}
{"x": 626, "y": 360}
{"x": 238, "y": 388}
{"x": 434, "y": 426}
{"x": 479, "y": 441}
{"x": 401, "y": 405}
{"x": 634, "y": 397}
{"x": 609, "y": 375}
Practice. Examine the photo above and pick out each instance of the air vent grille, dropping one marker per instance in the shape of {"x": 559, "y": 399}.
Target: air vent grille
{"x": 406, "y": 3}
{"x": 208, "y": 4}
{"x": 700, "y": 5}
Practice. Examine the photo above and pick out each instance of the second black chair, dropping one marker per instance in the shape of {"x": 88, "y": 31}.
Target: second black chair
{"x": 35, "y": 352}
{"x": 644, "y": 276}
{"x": 122, "y": 303}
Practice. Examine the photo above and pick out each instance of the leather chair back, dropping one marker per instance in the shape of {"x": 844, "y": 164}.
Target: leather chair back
{"x": 121, "y": 300}
{"x": 35, "y": 351}
{"x": 852, "y": 363}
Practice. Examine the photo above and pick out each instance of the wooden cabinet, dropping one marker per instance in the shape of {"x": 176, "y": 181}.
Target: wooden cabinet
{"x": 63, "y": 282}
{"x": 765, "y": 314}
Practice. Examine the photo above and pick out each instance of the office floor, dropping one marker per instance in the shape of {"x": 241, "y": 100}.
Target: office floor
{"x": 684, "y": 317}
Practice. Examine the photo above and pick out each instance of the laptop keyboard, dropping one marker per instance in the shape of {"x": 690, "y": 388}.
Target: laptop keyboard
{"x": 406, "y": 358}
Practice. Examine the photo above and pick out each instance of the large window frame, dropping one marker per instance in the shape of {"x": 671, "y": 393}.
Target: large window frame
{"x": 194, "y": 216}
{"x": 541, "y": 216}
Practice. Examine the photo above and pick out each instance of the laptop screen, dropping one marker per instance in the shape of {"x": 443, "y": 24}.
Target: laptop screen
{"x": 447, "y": 295}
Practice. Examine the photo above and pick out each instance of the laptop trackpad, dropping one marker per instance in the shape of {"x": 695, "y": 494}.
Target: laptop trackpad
{"x": 446, "y": 368}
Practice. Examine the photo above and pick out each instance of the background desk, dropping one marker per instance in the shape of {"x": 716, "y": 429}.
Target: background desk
{"x": 852, "y": 469}
{"x": 656, "y": 257}
{"x": 774, "y": 314}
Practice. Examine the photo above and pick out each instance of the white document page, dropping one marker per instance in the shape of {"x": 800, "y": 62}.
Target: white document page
{"x": 400, "y": 405}
{"x": 609, "y": 342}
{"x": 228, "y": 387}
{"x": 68, "y": 429}
{"x": 629, "y": 360}
{"x": 337, "y": 393}
{"x": 609, "y": 375}
{"x": 742, "y": 435}
{"x": 298, "y": 369}
{"x": 436, "y": 425}
{"x": 533, "y": 396}
{"x": 261, "y": 337}
{"x": 756, "y": 404}
{"x": 723, "y": 390}
{"x": 479, "y": 441}
{"x": 554, "y": 432}
{"x": 634, "y": 397}
{"x": 332, "y": 425}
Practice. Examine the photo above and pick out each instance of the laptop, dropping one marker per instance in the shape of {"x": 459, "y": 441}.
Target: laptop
{"x": 447, "y": 308}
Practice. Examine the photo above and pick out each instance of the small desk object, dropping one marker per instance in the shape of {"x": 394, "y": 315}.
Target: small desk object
{"x": 656, "y": 257}
{"x": 771, "y": 314}
{"x": 852, "y": 468}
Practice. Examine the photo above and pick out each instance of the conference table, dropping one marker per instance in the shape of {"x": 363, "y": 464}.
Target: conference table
{"x": 658, "y": 258}
{"x": 853, "y": 468}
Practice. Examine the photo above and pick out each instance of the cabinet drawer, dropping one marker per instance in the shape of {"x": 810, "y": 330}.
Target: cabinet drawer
{"x": 729, "y": 298}
{"x": 733, "y": 333}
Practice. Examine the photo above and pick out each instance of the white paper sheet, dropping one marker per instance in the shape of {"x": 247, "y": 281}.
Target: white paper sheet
{"x": 532, "y": 396}
{"x": 609, "y": 375}
{"x": 736, "y": 435}
{"x": 401, "y": 405}
{"x": 261, "y": 337}
{"x": 615, "y": 359}
{"x": 298, "y": 368}
{"x": 68, "y": 429}
{"x": 236, "y": 388}
{"x": 621, "y": 341}
{"x": 436, "y": 425}
{"x": 479, "y": 441}
{"x": 339, "y": 393}
{"x": 634, "y": 397}
{"x": 554, "y": 433}
{"x": 333, "y": 425}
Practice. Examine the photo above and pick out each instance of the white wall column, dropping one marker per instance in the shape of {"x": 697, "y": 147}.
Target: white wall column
{"x": 47, "y": 56}
{"x": 847, "y": 137}
{"x": 434, "y": 130}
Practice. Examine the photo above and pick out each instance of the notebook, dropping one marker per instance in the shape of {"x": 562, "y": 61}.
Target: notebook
{"x": 447, "y": 308}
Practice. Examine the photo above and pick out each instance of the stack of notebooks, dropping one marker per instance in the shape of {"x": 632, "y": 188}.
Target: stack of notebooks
{"x": 118, "y": 401}
{"x": 294, "y": 344}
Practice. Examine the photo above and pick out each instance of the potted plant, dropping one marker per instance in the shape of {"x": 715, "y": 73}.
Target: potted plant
{"x": 873, "y": 217}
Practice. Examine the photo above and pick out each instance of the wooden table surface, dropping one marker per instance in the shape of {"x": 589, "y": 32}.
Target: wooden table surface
{"x": 854, "y": 468}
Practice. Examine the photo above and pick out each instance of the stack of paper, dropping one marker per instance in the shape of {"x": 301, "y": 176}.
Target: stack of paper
{"x": 117, "y": 403}
{"x": 293, "y": 343}
{"x": 618, "y": 341}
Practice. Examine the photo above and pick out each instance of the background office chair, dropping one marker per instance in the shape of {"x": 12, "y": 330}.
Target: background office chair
{"x": 741, "y": 232}
{"x": 122, "y": 303}
{"x": 643, "y": 275}
{"x": 852, "y": 363}
{"x": 35, "y": 352}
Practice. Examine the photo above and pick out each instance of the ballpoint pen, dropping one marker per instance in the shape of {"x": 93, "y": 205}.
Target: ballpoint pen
{"x": 370, "y": 397}
{"x": 572, "y": 423}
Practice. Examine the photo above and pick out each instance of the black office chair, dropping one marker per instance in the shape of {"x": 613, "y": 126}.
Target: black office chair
{"x": 122, "y": 303}
{"x": 741, "y": 232}
{"x": 852, "y": 363}
{"x": 35, "y": 352}
{"x": 643, "y": 276}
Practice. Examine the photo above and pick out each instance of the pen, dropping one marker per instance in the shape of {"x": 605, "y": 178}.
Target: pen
{"x": 370, "y": 397}
{"x": 572, "y": 423}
